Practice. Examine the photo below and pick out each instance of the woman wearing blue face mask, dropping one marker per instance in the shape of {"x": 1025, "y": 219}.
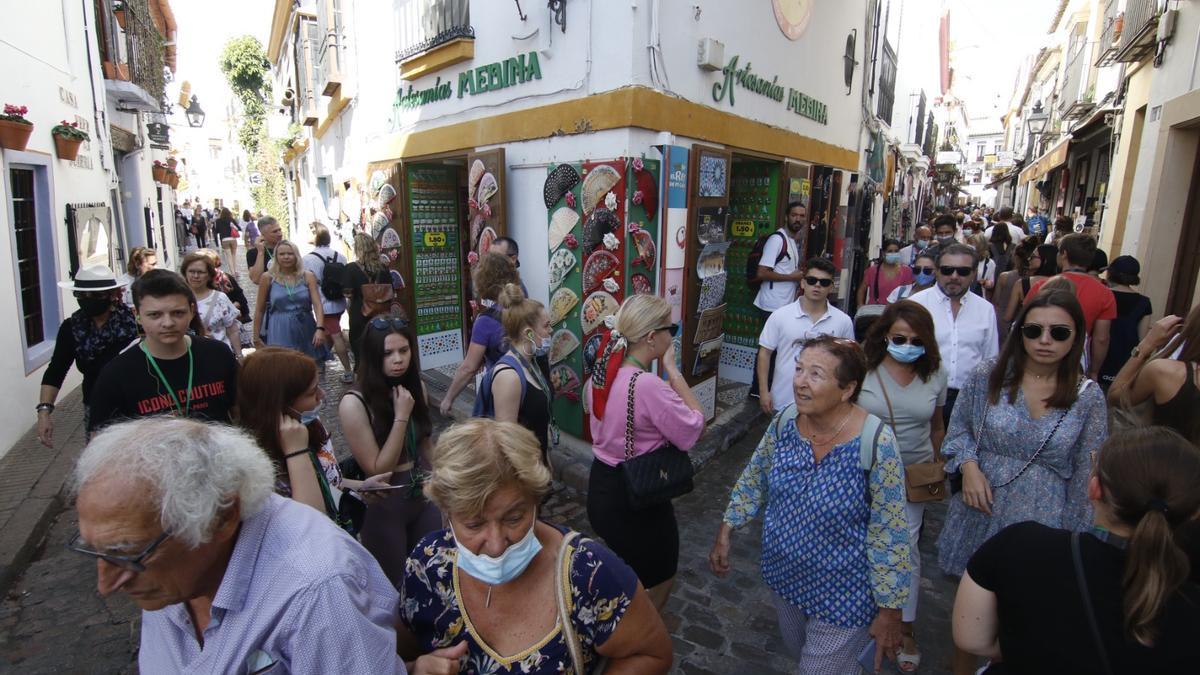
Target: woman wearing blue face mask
{"x": 500, "y": 591}
{"x": 278, "y": 402}
{"x": 518, "y": 385}
{"x": 887, "y": 274}
{"x": 906, "y": 388}
{"x": 924, "y": 275}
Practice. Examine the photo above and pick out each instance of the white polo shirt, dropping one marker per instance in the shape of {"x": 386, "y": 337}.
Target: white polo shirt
{"x": 1015, "y": 232}
{"x": 964, "y": 341}
{"x": 775, "y": 294}
{"x": 785, "y": 332}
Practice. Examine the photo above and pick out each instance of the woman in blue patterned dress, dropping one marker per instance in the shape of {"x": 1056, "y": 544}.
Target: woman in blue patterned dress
{"x": 482, "y": 596}
{"x": 829, "y": 481}
{"x": 1022, "y": 434}
{"x": 288, "y": 299}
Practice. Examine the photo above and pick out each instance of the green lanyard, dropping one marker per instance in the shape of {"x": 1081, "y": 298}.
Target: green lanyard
{"x": 183, "y": 410}
{"x": 541, "y": 381}
{"x": 639, "y": 363}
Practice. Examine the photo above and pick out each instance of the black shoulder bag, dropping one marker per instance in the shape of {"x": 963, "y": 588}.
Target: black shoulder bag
{"x": 1077, "y": 558}
{"x": 658, "y": 476}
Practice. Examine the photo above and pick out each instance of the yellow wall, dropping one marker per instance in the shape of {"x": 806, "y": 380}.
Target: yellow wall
{"x": 1124, "y": 167}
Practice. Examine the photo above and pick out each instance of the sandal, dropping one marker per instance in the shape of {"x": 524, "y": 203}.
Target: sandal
{"x": 907, "y": 662}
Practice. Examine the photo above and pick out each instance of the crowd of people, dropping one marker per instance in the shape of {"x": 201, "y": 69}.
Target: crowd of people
{"x": 995, "y": 373}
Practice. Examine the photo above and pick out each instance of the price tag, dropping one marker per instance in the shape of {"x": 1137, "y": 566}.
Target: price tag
{"x": 435, "y": 239}
{"x": 743, "y": 228}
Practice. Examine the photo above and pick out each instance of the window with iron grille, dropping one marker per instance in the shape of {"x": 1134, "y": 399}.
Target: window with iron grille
{"x": 308, "y": 45}
{"x": 23, "y": 199}
{"x": 887, "y": 83}
{"x": 425, "y": 24}
{"x": 329, "y": 52}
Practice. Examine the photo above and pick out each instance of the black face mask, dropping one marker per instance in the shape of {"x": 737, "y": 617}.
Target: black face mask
{"x": 394, "y": 381}
{"x": 945, "y": 241}
{"x": 94, "y": 307}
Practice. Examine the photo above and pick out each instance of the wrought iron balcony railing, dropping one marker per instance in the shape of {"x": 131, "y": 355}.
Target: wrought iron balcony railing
{"x": 426, "y": 24}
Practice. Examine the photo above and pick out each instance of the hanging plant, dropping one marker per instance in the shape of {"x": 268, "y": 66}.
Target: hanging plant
{"x": 67, "y": 139}
{"x": 159, "y": 172}
{"x": 119, "y": 11}
{"x": 14, "y": 128}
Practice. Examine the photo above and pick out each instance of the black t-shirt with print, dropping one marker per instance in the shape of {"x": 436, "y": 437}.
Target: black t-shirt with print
{"x": 129, "y": 387}
{"x": 252, "y": 257}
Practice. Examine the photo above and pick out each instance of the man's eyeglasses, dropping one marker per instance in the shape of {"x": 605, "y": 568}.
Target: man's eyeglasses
{"x": 1058, "y": 332}
{"x": 948, "y": 271}
{"x": 133, "y": 563}
{"x": 815, "y": 281}
{"x": 901, "y": 340}
{"x": 384, "y": 323}
{"x": 923, "y": 270}
{"x": 673, "y": 329}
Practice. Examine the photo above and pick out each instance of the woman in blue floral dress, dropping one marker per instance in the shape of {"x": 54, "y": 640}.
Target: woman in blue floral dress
{"x": 482, "y": 596}
{"x": 288, "y": 299}
{"x": 829, "y": 481}
{"x": 1022, "y": 434}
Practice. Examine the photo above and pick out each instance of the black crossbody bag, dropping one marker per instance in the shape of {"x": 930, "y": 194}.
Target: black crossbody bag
{"x": 658, "y": 476}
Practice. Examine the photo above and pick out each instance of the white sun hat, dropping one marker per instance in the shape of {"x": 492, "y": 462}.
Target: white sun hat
{"x": 93, "y": 278}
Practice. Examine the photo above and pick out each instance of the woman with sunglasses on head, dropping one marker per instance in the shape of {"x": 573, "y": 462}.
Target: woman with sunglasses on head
{"x": 924, "y": 276}
{"x": 629, "y": 404}
{"x": 1022, "y": 433}
{"x": 386, "y": 422}
{"x": 1043, "y": 264}
{"x": 906, "y": 387}
{"x": 519, "y": 390}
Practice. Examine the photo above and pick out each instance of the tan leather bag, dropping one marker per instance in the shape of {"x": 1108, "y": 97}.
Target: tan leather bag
{"x": 923, "y": 481}
{"x": 377, "y": 299}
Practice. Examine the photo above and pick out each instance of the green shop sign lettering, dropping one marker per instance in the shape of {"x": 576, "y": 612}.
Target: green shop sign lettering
{"x": 797, "y": 101}
{"x": 491, "y": 77}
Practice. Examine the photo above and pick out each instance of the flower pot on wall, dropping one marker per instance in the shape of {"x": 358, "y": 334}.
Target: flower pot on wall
{"x": 120, "y": 15}
{"x": 66, "y": 148}
{"x": 14, "y": 135}
{"x": 159, "y": 173}
{"x": 116, "y": 71}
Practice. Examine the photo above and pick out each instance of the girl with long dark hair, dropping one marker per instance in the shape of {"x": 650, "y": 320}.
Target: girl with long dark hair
{"x": 1165, "y": 368}
{"x": 1043, "y": 264}
{"x": 386, "y": 421}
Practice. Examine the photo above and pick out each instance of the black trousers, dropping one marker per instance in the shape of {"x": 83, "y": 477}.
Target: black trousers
{"x": 951, "y": 397}
{"x": 763, "y": 314}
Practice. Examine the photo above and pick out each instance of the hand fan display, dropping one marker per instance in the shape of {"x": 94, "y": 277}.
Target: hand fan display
{"x": 485, "y": 240}
{"x": 476, "y": 172}
{"x": 598, "y": 267}
{"x": 487, "y": 189}
{"x": 645, "y": 248}
{"x": 561, "y": 304}
{"x": 560, "y": 181}
{"x": 564, "y": 382}
{"x": 649, "y": 190}
{"x": 598, "y": 182}
{"x": 591, "y": 349}
{"x": 561, "y": 264}
{"x": 641, "y": 284}
{"x": 562, "y": 344}
{"x": 596, "y": 308}
{"x": 601, "y": 222}
{"x": 562, "y": 221}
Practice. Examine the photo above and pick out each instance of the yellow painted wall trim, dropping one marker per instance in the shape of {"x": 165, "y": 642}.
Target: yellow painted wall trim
{"x": 336, "y": 104}
{"x": 634, "y": 106}
{"x": 298, "y": 148}
{"x": 279, "y": 24}
{"x": 442, "y": 56}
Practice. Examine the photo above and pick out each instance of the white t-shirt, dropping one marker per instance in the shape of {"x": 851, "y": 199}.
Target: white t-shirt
{"x": 775, "y": 294}
{"x": 985, "y": 272}
{"x": 317, "y": 266}
{"x": 216, "y": 312}
{"x": 1017, "y": 233}
{"x": 785, "y": 332}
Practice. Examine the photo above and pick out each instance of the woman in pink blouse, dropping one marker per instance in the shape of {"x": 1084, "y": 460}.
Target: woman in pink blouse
{"x": 663, "y": 412}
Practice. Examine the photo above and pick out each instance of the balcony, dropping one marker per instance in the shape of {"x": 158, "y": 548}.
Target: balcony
{"x": 329, "y": 55}
{"x": 1138, "y": 27}
{"x": 433, "y": 34}
{"x": 134, "y": 53}
{"x": 1110, "y": 38}
{"x": 1075, "y": 100}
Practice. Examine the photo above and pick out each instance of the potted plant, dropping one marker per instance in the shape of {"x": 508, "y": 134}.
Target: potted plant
{"x": 159, "y": 172}
{"x": 67, "y": 139}
{"x": 116, "y": 71}
{"x": 14, "y": 128}
{"x": 172, "y": 163}
{"x": 172, "y": 178}
{"x": 119, "y": 10}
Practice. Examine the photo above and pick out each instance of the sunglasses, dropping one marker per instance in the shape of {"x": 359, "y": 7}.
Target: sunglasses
{"x": 383, "y": 323}
{"x": 133, "y": 563}
{"x": 901, "y": 340}
{"x": 817, "y": 281}
{"x": 673, "y": 329}
{"x": 924, "y": 270}
{"x": 949, "y": 271}
{"x": 1059, "y": 332}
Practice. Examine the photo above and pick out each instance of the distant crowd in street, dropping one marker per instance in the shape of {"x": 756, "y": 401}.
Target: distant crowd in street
{"x": 1008, "y": 370}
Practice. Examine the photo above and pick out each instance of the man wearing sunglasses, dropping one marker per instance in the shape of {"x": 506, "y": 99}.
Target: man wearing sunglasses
{"x": 231, "y": 578}
{"x": 789, "y": 327}
{"x": 964, "y": 323}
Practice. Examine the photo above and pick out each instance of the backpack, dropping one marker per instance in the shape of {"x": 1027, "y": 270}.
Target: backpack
{"x": 485, "y": 404}
{"x": 755, "y": 259}
{"x": 872, "y": 428}
{"x": 332, "y": 277}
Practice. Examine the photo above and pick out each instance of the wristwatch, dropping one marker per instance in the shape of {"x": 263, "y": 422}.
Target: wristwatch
{"x": 48, "y": 407}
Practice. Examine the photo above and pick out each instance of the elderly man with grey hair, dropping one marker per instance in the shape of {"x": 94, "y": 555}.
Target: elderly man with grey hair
{"x": 231, "y": 578}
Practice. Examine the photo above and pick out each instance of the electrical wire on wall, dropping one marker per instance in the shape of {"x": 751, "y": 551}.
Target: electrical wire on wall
{"x": 658, "y": 63}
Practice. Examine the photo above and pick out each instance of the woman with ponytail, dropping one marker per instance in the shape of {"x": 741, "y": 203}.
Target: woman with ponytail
{"x": 663, "y": 412}
{"x": 1116, "y": 599}
{"x": 518, "y": 385}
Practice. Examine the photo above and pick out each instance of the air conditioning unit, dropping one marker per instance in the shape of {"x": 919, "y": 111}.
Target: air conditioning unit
{"x": 710, "y": 54}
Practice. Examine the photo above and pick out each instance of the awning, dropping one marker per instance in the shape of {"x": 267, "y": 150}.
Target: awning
{"x": 1051, "y": 160}
{"x": 1004, "y": 177}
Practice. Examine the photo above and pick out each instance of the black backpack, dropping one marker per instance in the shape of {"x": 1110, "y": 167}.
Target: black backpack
{"x": 332, "y": 277}
{"x": 755, "y": 259}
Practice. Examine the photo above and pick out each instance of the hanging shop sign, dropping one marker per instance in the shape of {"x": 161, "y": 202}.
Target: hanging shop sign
{"x": 517, "y": 70}
{"x": 796, "y": 101}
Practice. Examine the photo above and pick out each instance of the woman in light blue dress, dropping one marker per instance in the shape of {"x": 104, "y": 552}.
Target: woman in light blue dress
{"x": 288, "y": 312}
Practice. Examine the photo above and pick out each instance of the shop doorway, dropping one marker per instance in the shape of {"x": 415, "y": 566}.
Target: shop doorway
{"x": 1187, "y": 260}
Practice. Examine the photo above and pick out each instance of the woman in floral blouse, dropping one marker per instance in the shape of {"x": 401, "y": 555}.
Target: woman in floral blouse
{"x": 482, "y": 596}
{"x": 829, "y": 481}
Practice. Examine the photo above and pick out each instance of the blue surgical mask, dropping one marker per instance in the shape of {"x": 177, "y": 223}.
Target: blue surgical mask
{"x": 924, "y": 279}
{"x": 501, "y": 570}
{"x": 905, "y": 353}
{"x": 309, "y": 416}
{"x": 922, "y": 244}
{"x": 540, "y": 349}
{"x": 891, "y": 258}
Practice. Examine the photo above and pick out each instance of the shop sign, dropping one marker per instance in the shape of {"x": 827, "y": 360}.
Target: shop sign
{"x": 743, "y": 228}
{"x": 510, "y": 72}
{"x": 796, "y": 101}
{"x": 158, "y": 132}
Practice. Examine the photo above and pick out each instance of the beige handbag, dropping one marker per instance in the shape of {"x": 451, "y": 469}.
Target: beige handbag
{"x": 923, "y": 481}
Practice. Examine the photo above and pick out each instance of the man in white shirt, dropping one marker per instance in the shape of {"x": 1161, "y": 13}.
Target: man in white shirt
{"x": 965, "y": 324}
{"x": 779, "y": 271}
{"x": 315, "y": 262}
{"x": 787, "y": 329}
{"x": 1004, "y": 216}
{"x": 922, "y": 238}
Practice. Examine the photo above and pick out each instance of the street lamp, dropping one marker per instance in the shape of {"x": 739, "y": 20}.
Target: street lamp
{"x": 1036, "y": 122}
{"x": 195, "y": 114}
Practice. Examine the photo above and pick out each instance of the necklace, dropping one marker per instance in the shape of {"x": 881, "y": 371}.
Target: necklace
{"x": 835, "y": 433}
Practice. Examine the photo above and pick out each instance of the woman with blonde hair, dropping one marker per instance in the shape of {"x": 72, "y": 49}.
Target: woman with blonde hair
{"x": 632, "y": 416}
{"x": 556, "y": 601}
{"x": 216, "y": 311}
{"x": 287, "y": 300}
{"x": 492, "y": 273}
{"x": 516, "y": 385}
{"x": 367, "y": 268}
